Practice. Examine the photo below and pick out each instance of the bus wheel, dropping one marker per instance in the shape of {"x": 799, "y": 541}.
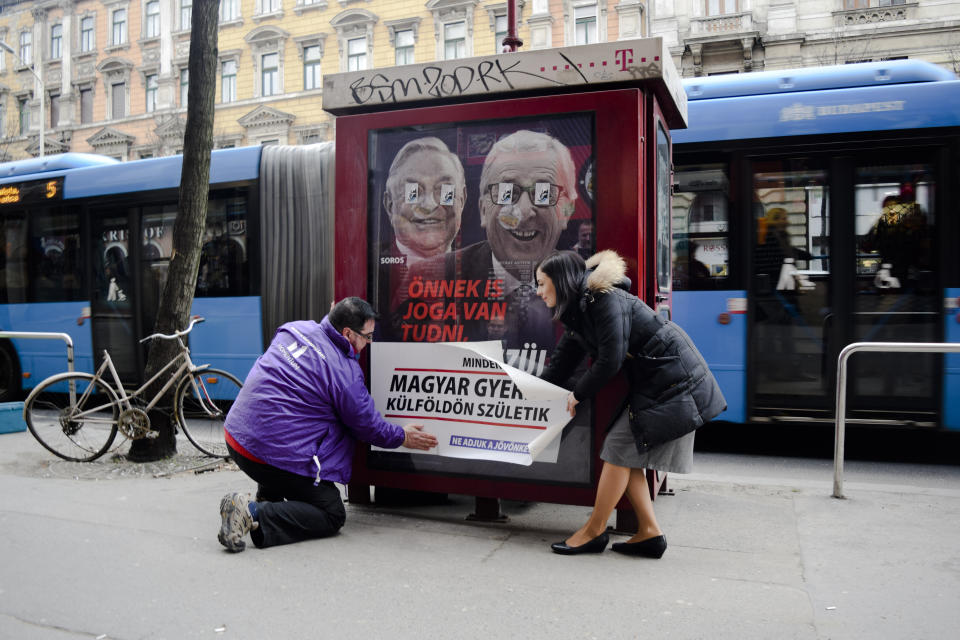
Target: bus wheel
{"x": 9, "y": 373}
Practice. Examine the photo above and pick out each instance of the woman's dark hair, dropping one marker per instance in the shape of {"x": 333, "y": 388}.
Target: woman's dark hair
{"x": 351, "y": 313}
{"x": 564, "y": 268}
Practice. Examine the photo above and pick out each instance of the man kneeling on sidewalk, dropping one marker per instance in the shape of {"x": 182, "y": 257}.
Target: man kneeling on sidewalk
{"x": 294, "y": 426}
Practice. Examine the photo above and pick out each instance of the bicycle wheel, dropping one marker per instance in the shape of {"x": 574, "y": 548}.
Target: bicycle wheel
{"x": 203, "y": 400}
{"x": 81, "y": 429}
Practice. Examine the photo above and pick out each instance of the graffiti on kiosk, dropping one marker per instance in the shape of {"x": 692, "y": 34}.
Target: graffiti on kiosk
{"x": 491, "y": 74}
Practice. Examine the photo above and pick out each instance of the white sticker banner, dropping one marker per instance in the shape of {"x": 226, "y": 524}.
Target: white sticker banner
{"x": 477, "y": 406}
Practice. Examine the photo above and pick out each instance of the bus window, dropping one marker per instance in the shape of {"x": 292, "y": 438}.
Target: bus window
{"x": 223, "y": 258}
{"x": 113, "y": 267}
{"x": 56, "y": 269}
{"x": 156, "y": 249}
{"x": 894, "y": 207}
{"x": 701, "y": 255}
{"x": 13, "y": 259}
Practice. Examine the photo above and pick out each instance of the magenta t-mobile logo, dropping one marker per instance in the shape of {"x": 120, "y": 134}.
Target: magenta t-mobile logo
{"x": 623, "y": 57}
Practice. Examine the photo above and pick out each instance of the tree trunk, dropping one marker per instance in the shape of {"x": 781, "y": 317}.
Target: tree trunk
{"x": 176, "y": 298}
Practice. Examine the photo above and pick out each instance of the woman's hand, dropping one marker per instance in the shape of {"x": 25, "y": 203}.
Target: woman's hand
{"x": 572, "y": 403}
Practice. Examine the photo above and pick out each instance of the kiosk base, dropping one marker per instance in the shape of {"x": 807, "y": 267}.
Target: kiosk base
{"x": 487, "y": 510}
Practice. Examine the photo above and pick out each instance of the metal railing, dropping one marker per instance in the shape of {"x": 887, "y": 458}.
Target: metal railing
{"x": 841, "y": 404}
{"x": 40, "y": 335}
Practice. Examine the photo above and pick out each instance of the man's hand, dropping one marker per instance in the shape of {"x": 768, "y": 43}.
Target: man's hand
{"x": 417, "y": 439}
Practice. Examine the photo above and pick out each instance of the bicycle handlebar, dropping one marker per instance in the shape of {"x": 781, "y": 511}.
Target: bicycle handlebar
{"x": 179, "y": 334}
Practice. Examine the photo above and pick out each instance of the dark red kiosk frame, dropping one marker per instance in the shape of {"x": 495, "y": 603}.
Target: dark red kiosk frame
{"x": 625, "y": 122}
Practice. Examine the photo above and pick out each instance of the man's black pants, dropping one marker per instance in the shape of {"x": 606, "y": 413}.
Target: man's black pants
{"x": 291, "y": 507}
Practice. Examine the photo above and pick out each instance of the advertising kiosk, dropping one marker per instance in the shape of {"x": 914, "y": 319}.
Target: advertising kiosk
{"x": 454, "y": 178}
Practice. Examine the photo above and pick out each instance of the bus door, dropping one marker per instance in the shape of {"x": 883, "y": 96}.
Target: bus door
{"x": 821, "y": 281}
{"x": 128, "y": 279}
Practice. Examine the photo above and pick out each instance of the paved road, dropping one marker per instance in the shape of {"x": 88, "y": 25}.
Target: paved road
{"x": 758, "y": 549}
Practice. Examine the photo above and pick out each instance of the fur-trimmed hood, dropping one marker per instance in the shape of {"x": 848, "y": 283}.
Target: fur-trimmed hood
{"x": 609, "y": 271}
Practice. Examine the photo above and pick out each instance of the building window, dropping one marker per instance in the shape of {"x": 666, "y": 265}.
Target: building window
{"x": 26, "y": 47}
{"x": 585, "y": 24}
{"x": 86, "y": 106}
{"x": 24, "y": 112}
{"x": 228, "y": 81}
{"x": 269, "y": 6}
{"x": 356, "y": 54}
{"x": 184, "y": 86}
{"x": 186, "y": 14}
{"x": 454, "y": 40}
{"x": 270, "y": 74}
{"x": 152, "y": 21}
{"x": 54, "y": 110}
{"x": 152, "y": 86}
{"x": 722, "y": 7}
{"x": 500, "y": 32}
{"x": 229, "y": 10}
{"x": 86, "y": 34}
{"x": 56, "y": 42}
{"x": 118, "y": 21}
{"x": 405, "y": 43}
{"x": 311, "y": 67}
{"x": 118, "y": 101}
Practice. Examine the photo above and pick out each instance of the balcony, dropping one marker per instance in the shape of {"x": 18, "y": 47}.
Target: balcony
{"x": 731, "y": 24}
{"x": 876, "y": 15}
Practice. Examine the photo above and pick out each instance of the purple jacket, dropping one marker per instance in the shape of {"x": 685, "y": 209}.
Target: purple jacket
{"x": 306, "y": 396}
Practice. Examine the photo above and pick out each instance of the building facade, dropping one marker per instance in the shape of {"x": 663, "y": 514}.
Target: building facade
{"x": 114, "y": 74}
{"x": 708, "y": 37}
{"x": 115, "y": 78}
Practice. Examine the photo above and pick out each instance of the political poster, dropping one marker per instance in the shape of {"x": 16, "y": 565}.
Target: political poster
{"x": 461, "y": 213}
{"x": 478, "y": 407}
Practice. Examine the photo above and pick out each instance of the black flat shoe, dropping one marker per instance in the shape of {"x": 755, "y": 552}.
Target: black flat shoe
{"x": 649, "y": 548}
{"x": 597, "y": 545}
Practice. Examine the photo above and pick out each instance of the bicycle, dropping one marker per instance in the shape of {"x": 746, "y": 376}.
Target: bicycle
{"x": 77, "y": 416}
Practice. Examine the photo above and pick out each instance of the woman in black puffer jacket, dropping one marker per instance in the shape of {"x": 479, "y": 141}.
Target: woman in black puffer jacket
{"x": 672, "y": 392}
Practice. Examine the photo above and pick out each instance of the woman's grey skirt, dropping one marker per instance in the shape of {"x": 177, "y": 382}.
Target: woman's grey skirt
{"x": 620, "y": 449}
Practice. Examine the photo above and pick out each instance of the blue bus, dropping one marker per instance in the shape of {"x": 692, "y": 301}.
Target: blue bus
{"x": 814, "y": 208}
{"x": 86, "y": 241}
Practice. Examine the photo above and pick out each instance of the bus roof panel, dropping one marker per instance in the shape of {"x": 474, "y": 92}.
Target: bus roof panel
{"x": 226, "y": 165}
{"x": 916, "y": 106}
{"x": 843, "y": 76}
{"x": 49, "y": 164}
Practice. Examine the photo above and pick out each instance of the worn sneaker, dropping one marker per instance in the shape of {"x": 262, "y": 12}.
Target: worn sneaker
{"x": 235, "y": 521}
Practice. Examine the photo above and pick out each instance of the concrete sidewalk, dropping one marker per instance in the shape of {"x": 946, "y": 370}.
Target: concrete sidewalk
{"x": 758, "y": 549}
